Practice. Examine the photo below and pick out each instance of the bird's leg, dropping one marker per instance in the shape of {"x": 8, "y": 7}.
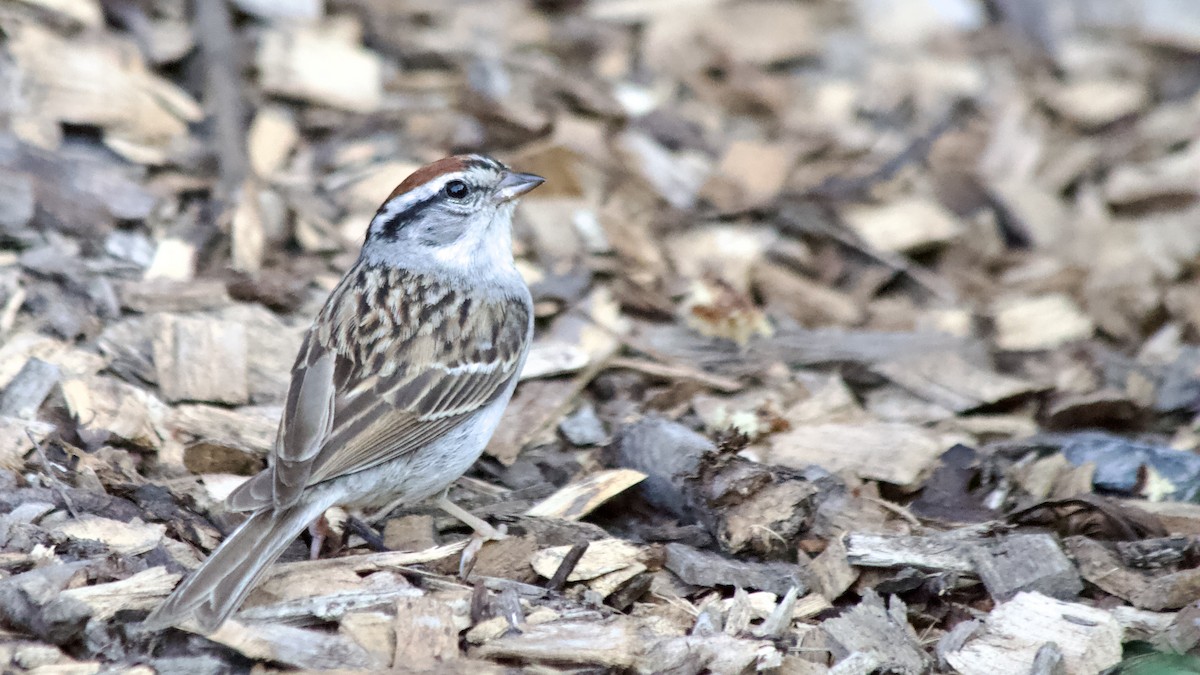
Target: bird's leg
{"x": 320, "y": 531}
{"x": 481, "y": 527}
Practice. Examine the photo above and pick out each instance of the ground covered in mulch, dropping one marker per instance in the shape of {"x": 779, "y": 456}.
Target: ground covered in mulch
{"x": 868, "y": 331}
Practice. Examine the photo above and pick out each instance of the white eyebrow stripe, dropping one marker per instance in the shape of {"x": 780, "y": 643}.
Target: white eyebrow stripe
{"x": 402, "y": 202}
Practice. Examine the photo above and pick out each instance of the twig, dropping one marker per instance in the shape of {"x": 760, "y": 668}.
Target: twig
{"x": 219, "y": 47}
{"x": 897, "y": 509}
{"x": 569, "y": 561}
{"x": 838, "y": 188}
{"x": 55, "y": 483}
{"x": 672, "y": 371}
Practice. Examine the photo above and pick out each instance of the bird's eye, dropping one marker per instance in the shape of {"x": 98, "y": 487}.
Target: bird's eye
{"x": 456, "y": 189}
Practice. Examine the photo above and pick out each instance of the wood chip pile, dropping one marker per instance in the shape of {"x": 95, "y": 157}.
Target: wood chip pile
{"x": 868, "y": 331}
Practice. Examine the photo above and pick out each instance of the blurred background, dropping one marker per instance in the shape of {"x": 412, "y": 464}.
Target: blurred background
{"x": 819, "y": 232}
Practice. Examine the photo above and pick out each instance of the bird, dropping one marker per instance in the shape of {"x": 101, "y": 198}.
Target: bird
{"x": 399, "y": 383}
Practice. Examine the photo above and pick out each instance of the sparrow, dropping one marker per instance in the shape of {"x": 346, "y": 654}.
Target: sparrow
{"x": 399, "y": 383}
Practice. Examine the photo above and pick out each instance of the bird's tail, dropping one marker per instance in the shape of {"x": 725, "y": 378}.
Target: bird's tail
{"x": 218, "y": 587}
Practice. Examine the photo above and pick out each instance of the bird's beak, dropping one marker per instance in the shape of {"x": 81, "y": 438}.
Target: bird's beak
{"x": 515, "y": 184}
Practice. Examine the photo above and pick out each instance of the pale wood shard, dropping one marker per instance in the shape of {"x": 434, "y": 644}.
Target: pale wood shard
{"x": 858, "y": 663}
{"x": 370, "y": 562}
{"x": 21, "y": 346}
{"x": 612, "y": 643}
{"x": 579, "y": 498}
{"x": 409, "y": 533}
{"x": 832, "y": 571}
{"x": 249, "y": 226}
{"x": 1173, "y": 176}
{"x": 218, "y": 439}
{"x": 548, "y": 358}
{"x": 912, "y": 451}
{"x": 373, "y": 632}
{"x": 940, "y": 554}
{"x": 174, "y": 260}
{"x": 320, "y": 66}
{"x": 1026, "y": 562}
{"x": 623, "y": 642}
{"x": 99, "y": 80}
{"x": 275, "y": 342}
{"x": 311, "y": 605}
{"x": 1090, "y": 639}
{"x": 166, "y": 295}
{"x": 297, "y": 647}
{"x": 426, "y": 634}
{"x": 129, "y": 538}
{"x": 952, "y": 381}
{"x": 601, "y": 557}
{"x": 1041, "y": 322}
{"x": 1094, "y": 103}
{"x": 749, "y": 175}
{"x": 143, "y": 590}
{"x": 105, "y": 404}
{"x": 201, "y": 360}
{"x": 905, "y": 226}
{"x": 270, "y": 140}
{"x": 303, "y": 584}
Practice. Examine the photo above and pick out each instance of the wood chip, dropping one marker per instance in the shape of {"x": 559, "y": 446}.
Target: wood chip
{"x": 366, "y": 563}
{"x": 579, "y": 498}
{"x": 144, "y": 590}
{"x": 298, "y": 647}
{"x": 373, "y": 631}
{"x": 129, "y": 538}
{"x": 601, "y": 557}
{"x": 1152, "y": 590}
{"x": 870, "y": 627}
{"x": 166, "y": 295}
{"x": 320, "y": 66}
{"x": 270, "y": 140}
{"x": 951, "y": 381}
{"x": 98, "y": 80}
{"x": 105, "y": 404}
{"x": 943, "y": 554}
{"x": 201, "y": 360}
{"x": 1042, "y": 322}
{"x": 29, "y": 389}
{"x": 1094, "y": 103}
{"x": 831, "y": 569}
{"x": 904, "y": 226}
{"x": 857, "y": 447}
{"x": 1089, "y": 638}
{"x": 216, "y": 437}
{"x": 749, "y": 175}
{"x": 1026, "y": 562}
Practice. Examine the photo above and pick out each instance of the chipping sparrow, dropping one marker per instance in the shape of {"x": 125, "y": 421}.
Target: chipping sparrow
{"x": 399, "y": 383}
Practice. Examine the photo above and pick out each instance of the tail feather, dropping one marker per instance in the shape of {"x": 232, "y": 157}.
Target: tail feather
{"x": 218, "y": 587}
